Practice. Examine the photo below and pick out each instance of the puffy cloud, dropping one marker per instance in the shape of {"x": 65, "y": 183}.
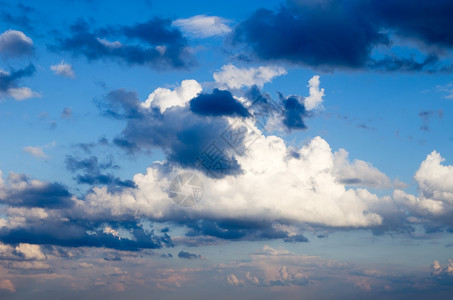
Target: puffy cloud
{"x": 358, "y": 173}
{"x": 9, "y": 82}
{"x": 15, "y": 43}
{"x": 325, "y": 35}
{"x": 314, "y": 100}
{"x": 29, "y": 251}
{"x": 63, "y": 69}
{"x": 307, "y": 188}
{"x": 435, "y": 182}
{"x": 203, "y": 26}
{"x": 180, "y": 96}
{"x": 234, "y": 78}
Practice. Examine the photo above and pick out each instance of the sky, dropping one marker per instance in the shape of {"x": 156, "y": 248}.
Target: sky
{"x": 297, "y": 149}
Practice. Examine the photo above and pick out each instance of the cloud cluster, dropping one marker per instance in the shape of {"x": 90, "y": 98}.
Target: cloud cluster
{"x": 329, "y": 35}
{"x": 159, "y": 44}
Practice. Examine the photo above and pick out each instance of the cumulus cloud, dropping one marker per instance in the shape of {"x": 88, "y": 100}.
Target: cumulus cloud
{"x": 9, "y": 83}
{"x": 180, "y": 96}
{"x": 6, "y": 284}
{"x": 358, "y": 173}
{"x": 234, "y": 78}
{"x": 314, "y": 100}
{"x": 63, "y": 69}
{"x": 203, "y": 26}
{"x": 14, "y": 43}
{"x": 435, "y": 200}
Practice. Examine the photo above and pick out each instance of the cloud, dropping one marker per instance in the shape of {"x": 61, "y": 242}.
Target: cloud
{"x": 92, "y": 172}
{"x": 203, "y": 26}
{"x": 327, "y": 36}
{"x": 6, "y": 284}
{"x": 358, "y": 173}
{"x": 188, "y": 255}
{"x": 194, "y": 134}
{"x": 63, "y": 69}
{"x": 14, "y": 43}
{"x": 36, "y": 152}
{"x": 160, "y": 45}
{"x": 9, "y": 82}
{"x": 26, "y": 192}
{"x": 66, "y": 113}
{"x": 427, "y": 116}
{"x": 234, "y": 78}
{"x": 314, "y": 100}
{"x": 180, "y": 96}
{"x": 434, "y": 204}
{"x": 219, "y": 103}
{"x": 234, "y": 281}
{"x": 293, "y": 113}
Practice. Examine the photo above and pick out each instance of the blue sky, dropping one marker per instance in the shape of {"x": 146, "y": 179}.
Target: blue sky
{"x": 309, "y": 142}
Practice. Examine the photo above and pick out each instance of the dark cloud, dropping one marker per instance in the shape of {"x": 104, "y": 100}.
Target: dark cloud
{"x": 296, "y": 239}
{"x": 11, "y": 79}
{"x": 25, "y": 192}
{"x": 92, "y": 172}
{"x": 219, "y": 103}
{"x": 236, "y": 230}
{"x": 294, "y": 112}
{"x": 159, "y": 44}
{"x": 343, "y": 34}
{"x": 188, "y": 255}
{"x": 183, "y": 135}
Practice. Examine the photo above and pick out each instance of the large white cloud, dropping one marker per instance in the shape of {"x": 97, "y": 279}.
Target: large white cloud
{"x": 273, "y": 187}
{"x": 203, "y": 26}
{"x": 234, "y": 78}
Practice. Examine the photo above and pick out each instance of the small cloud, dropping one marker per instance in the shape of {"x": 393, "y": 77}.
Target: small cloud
{"x": 36, "y": 152}
{"x": 6, "y": 284}
{"x": 234, "y": 78}
{"x": 234, "y": 281}
{"x": 315, "y": 99}
{"x": 202, "y": 26}
{"x": 22, "y": 93}
{"x": 63, "y": 69}
{"x": 14, "y": 43}
{"x": 66, "y": 113}
{"x": 188, "y": 255}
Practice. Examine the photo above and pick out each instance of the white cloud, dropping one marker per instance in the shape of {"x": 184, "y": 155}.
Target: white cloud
{"x": 22, "y": 93}
{"x": 272, "y": 187}
{"x": 36, "y": 152}
{"x": 166, "y": 98}
{"x": 63, "y": 69}
{"x": 234, "y": 78}
{"x": 435, "y": 183}
{"x": 358, "y": 173}
{"x": 15, "y": 43}
{"x": 29, "y": 251}
{"x": 314, "y": 100}
{"x": 203, "y": 26}
{"x": 108, "y": 44}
